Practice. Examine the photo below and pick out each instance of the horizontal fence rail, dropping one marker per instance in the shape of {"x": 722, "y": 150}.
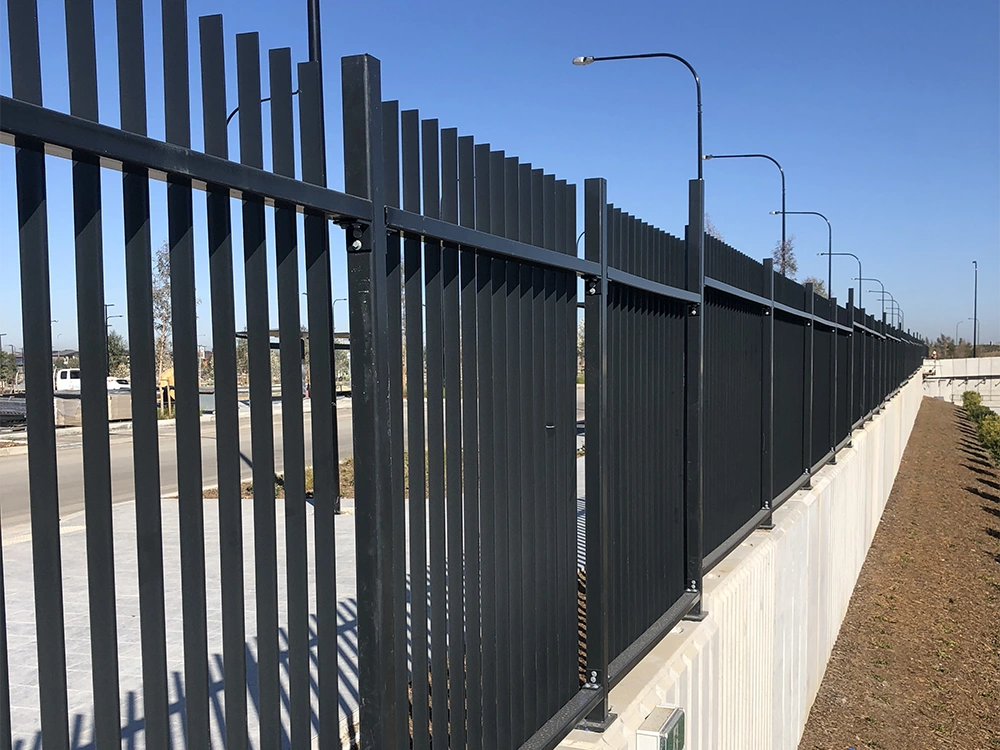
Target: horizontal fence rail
{"x": 518, "y": 540}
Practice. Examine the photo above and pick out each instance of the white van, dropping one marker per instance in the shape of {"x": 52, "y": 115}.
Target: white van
{"x": 68, "y": 381}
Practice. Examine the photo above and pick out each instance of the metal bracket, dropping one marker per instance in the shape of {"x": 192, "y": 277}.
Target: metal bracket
{"x": 597, "y": 726}
{"x": 357, "y": 232}
{"x": 694, "y": 309}
{"x": 767, "y": 312}
{"x": 595, "y": 680}
{"x": 592, "y": 286}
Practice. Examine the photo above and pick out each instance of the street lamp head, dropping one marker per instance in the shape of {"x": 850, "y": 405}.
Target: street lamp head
{"x": 775, "y": 213}
{"x": 583, "y": 60}
{"x": 706, "y": 157}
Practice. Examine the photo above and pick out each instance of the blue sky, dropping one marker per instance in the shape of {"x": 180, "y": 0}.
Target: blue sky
{"x": 885, "y": 116}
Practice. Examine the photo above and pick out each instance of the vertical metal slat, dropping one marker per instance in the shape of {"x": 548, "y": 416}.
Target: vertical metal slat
{"x": 413, "y": 286}
{"x": 390, "y": 150}
{"x": 261, "y": 424}
{"x": 453, "y": 442}
{"x": 470, "y": 437}
{"x": 323, "y": 412}
{"x": 43, "y": 487}
{"x": 497, "y": 333}
{"x": 185, "y": 345}
{"x": 82, "y": 62}
{"x": 435, "y": 442}
{"x": 487, "y": 456}
{"x": 227, "y": 438}
{"x": 511, "y": 400}
{"x": 529, "y": 495}
{"x": 292, "y": 421}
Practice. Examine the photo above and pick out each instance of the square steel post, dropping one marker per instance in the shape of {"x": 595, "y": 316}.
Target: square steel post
{"x": 376, "y": 448}
{"x": 596, "y": 478}
{"x": 851, "y": 342}
{"x": 767, "y": 397}
{"x": 807, "y": 402}
{"x": 694, "y": 389}
{"x": 833, "y": 379}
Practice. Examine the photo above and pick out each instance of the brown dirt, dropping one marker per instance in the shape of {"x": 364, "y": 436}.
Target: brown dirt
{"x": 917, "y": 661}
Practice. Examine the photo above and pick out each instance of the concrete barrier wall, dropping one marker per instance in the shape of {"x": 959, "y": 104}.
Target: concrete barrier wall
{"x": 748, "y": 674}
{"x": 948, "y": 379}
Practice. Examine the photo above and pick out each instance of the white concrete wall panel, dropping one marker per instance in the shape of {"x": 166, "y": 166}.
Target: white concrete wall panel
{"x": 948, "y": 379}
{"x": 748, "y": 674}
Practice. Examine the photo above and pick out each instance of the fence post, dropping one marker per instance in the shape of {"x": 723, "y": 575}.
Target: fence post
{"x": 694, "y": 386}
{"x": 851, "y": 339}
{"x": 596, "y": 477}
{"x": 767, "y": 397}
{"x": 834, "y": 341}
{"x": 807, "y": 397}
{"x": 884, "y": 374}
{"x": 375, "y": 459}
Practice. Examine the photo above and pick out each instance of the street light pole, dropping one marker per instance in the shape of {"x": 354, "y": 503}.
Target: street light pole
{"x": 975, "y": 309}
{"x": 771, "y": 159}
{"x": 829, "y": 251}
{"x": 693, "y": 414}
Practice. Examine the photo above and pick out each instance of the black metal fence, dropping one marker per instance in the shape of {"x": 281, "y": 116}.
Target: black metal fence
{"x": 714, "y": 388}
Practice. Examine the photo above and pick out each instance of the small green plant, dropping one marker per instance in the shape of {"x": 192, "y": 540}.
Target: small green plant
{"x": 987, "y": 423}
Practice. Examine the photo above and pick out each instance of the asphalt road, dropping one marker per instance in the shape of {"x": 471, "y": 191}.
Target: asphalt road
{"x": 14, "y": 493}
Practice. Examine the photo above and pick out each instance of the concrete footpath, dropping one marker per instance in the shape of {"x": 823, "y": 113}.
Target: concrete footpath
{"x": 25, "y": 717}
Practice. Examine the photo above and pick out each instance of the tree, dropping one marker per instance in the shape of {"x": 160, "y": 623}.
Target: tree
{"x": 580, "y": 347}
{"x": 342, "y": 368}
{"x": 118, "y": 358}
{"x": 784, "y": 258}
{"x": 208, "y": 368}
{"x": 819, "y": 286}
{"x": 944, "y": 345}
{"x": 162, "y": 312}
{"x": 242, "y": 361}
{"x": 8, "y": 368}
{"x": 711, "y": 230}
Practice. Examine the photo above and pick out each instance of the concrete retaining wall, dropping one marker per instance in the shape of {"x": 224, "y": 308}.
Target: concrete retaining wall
{"x": 748, "y": 674}
{"x": 948, "y": 379}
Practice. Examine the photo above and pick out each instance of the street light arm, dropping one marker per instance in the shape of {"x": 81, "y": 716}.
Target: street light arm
{"x": 588, "y": 59}
{"x": 829, "y": 228}
{"x": 771, "y": 159}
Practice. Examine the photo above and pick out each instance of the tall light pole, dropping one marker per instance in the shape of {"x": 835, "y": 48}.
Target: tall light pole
{"x": 975, "y": 308}
{"x": 829, "y": 250}
{"x": 694, "y": 398}
{"x": 771, "y": 159}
